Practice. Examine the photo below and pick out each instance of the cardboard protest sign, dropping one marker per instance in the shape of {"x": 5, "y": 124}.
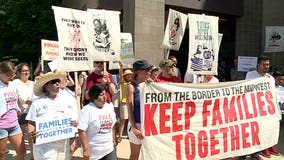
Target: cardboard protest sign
{"x": 74, "y": 54}
{"x": 104, "y": 34}
{"x": 54, "y": 128}
{"x": 49, "y": 50}
{"x": 203, "y": 44}
{"x": 208, "y": 121}
{"x": 174, "y": 30}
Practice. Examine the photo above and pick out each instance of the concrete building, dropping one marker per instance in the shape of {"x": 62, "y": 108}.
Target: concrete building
{"x": 242, "y": 23}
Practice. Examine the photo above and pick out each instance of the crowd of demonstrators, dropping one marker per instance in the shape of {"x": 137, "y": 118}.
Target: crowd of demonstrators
{"x": 25, "y": 93}
{"x": 9, "y": 125}
{"x": 142, "y": 72}
{"x": 167, "y": 72}
{"x": 125, "y": 78}
{"x": 96, "y": 125}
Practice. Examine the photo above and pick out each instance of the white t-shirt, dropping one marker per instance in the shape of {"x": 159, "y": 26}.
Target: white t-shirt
{"x": 8, "y": 97}
{"x": 98, "y": 124}
{"x": 48, "y": 107}
{"x": 25, "y": 93}
{"x": 72, "y": 103}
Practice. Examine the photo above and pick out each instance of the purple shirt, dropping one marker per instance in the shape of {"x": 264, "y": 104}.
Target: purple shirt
{"x": 9, "y": 119}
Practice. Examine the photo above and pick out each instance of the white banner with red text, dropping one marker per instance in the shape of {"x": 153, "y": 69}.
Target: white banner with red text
{"x": 208, "y": 121}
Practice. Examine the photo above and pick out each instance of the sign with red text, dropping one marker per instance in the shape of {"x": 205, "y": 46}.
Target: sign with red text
{"x": 49, "y": 50}
{"x": 208, "y": 121}
{"x": 72, "y": 31}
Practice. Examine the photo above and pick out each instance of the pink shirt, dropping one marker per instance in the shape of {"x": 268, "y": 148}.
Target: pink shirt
{"x": 9, "y": 119}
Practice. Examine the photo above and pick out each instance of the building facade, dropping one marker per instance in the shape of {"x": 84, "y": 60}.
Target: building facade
{"x": 242, "y": 23}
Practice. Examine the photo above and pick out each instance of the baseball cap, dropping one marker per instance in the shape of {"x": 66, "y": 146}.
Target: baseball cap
{"x": 141, "y": 65}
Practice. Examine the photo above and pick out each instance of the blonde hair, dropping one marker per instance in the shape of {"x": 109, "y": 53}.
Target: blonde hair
{"x": 7, "y": 67}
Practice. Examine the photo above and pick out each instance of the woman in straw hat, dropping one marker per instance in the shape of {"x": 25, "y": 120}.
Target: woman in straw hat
{"x": 9, "y": 126}
{"x": 50, "y": 104}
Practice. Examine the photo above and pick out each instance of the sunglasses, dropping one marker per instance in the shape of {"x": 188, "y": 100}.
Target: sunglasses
{"x": 99, "y": 62}
{"x": 55, "y": 81}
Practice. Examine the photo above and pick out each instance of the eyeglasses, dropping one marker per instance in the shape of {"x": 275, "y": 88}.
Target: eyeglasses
{"x": 99, "y": 62}
{"x": 10, "y": 76}
{"x": 24, "y": 71}
{"x": 55, "y": 81}
{"x": 148, "y": 69}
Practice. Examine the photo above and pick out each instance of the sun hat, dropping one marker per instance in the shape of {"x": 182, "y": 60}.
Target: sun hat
{"x": 166, "y": 63}
{"x": 141, "y": 65}
{"x": 38, "y": 87}
{"x": 127, "y": 72}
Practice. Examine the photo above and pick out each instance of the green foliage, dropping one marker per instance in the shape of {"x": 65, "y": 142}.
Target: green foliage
{"x": 23, "y": 23}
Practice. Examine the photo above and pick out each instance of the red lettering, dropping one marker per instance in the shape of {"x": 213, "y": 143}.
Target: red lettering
{"x": 254, "y": 133}
{"x": 248, "y": 115}
{"x": 235, "y": 137}
{"x": 230, "y": 114}
{"x": 202, "y": 144}
{"x": 271, "y": 106}
{"x": 245, "y": 134}
{"x": 190, "y": 141}
{"x": 225, "y": 139}
{"x": 164, "y": 117}
{"x": 190, "y": 110}
{"x": 252, "y": 95}
{"x": 261, "y": 103}
{"x": 149, "y": 119}
{"x": 240, "y": 108}
{"x": 177, "y": 139}
{"x": 214, "y": 142}
{"x": 176, "y": 117}
{"x": 205, "y": 112}
{"x": 216, "y": 114}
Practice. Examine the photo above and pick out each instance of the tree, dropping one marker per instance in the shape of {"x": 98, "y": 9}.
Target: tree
{"x": 23, "y": 23}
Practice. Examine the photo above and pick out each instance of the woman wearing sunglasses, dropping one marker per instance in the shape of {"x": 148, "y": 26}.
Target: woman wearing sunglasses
{"x": 50, "y": 104}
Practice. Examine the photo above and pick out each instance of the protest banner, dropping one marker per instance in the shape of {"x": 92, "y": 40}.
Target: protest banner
{"x": 203, "y": 44}
{"x": 126, "y": 54}
{"x": 274, "y": 39}
{"x": 175, "y": 28}
{"x": 73, "y": 38}
{"x": 208, "y": 121}
{"x": 247, "y": 63}
{"x": 104, "y": 34}
{"x": 54, "y": 128}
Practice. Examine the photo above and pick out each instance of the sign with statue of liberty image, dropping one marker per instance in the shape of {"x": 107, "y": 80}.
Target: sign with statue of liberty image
{"x": 204, "y": 42}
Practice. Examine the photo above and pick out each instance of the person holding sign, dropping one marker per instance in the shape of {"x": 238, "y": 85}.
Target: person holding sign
{"x": 261, "y": 71}
{"x": 9, "y": 126}
{"x": 100, "y": 75}
{"x": 50, "y": 105}
{"x": 142, "y": 71}
{"x": 96, "y": 126}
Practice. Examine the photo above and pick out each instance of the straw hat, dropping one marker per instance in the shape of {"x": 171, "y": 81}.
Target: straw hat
{"x": 127, "y": 72}
{"x": 38, "y": 87}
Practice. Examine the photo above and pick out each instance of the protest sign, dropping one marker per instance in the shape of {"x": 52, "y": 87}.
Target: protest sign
{"x": 203, "y": 44}
{"x": 208, "y": 121}
{"x": 274, "y": 39}
{"x": 104, "y": 34}
{"x": 54, "y": 128}
{"x": 73, "y": 38}
{"x": 126, "y": 55}
{"x": 49, "y": 50}
{"x": 175, "y": 28}
{"x": 246, "y": 63}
